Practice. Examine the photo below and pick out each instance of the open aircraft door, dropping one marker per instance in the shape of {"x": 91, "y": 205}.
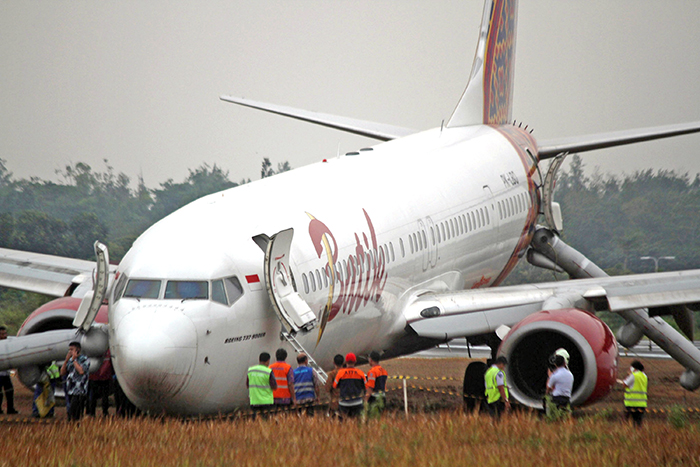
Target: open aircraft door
{"x": 292, "y": 310}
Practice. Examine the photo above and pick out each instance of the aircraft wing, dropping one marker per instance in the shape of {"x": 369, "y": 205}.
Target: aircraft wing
{"x": 550, "y": 148}
{"x": 476, "y": 312}
{"x": 350, "y": 125}
{"x": 46, "y": 274}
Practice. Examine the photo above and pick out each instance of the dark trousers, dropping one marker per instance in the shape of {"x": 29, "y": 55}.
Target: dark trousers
{"x": 263, "y": 410}
{"x": 77, "y": 406}
{"x": 496, "y": 408}
{"x": 306, "y": 407}
{"x": 636, "y": 414}
{"x": 351, "y": 410}
{"x": 9, "y": 390}
{"x": 98, "y": 390}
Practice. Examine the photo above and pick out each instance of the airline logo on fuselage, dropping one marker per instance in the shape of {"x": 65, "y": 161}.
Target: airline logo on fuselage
{"x": 358, "y": 283}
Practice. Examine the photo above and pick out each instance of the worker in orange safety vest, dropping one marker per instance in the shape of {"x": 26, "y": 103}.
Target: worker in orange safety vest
{"x": 284, "y": 376}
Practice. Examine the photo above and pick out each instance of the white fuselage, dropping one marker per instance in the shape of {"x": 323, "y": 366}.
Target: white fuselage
{"x": 448, "y": 209}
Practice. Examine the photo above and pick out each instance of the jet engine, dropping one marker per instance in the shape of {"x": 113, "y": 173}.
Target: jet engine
{"x": 591, "y": 345}
{"x": 51, "y": 328}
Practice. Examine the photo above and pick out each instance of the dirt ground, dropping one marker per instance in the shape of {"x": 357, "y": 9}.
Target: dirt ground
{"x": 435, "y": 384}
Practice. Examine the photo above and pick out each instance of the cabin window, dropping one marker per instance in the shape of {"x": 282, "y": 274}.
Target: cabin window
{"x": 410, "y": 242}
{"x": 313, "y": 281}
{"x": 483, "y": 218}
{"x": 318, "y": 279}
{"x": 218, "y": 294}
{"x": 306, "y": 283}
{"x": 437, "y": 229}
{"x": 391, "y": 249}
{"x": 403, "y": 249}
{"x": 425, "y": 238}
{"x": 500, "y": 211}
{"x": 432, "y": 236}
{"x": 196, "y": 290}
{"x": 452, "y": 227}
{"x": 325, "y": 276}
{"x": 351, "y": 267}
{"x": 486, "y": 211}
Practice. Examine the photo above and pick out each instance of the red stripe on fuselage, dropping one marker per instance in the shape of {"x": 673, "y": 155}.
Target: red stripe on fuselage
{"x": 522, "y": 141}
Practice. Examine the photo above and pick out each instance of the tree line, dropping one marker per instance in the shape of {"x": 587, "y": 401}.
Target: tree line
{"x": 65, "y": 218}
{"x": 614, "y": 220}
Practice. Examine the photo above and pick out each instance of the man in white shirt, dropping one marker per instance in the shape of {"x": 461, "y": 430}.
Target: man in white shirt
{"x": 560, "y": 384}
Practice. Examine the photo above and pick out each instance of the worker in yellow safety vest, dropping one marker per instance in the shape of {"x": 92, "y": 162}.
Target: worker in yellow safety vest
{"x": 636, "y": 385}
{"x": 496, "y": 388}
{"x": 260, "y": 383}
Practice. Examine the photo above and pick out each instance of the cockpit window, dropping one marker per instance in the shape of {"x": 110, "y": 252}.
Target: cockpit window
{"x": 119, "y": 287}
{"x": 187, "y": 290}
{"x": 217, "y": 292}
{"x": 233, "y": 289}
{"x": 142, "y": 289}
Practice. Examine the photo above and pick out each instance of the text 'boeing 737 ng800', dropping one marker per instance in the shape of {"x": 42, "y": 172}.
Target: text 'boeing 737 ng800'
{"x": 406, "y": 250}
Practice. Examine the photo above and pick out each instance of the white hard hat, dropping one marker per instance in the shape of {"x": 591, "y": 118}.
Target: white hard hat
{"x": 563, "y": 353}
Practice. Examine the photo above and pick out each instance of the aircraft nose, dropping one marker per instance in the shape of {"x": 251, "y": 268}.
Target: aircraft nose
{"x": 155, "y": 348}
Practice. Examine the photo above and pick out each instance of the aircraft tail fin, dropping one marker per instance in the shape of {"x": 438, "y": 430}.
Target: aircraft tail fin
{"x": 488, "y": 98}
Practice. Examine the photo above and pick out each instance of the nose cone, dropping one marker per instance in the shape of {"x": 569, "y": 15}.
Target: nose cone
{"x": 155, "y": 348}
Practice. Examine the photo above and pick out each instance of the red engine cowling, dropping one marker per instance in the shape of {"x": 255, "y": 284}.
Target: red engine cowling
{"x": 56, "y": 314}
{"x": 591, "y": 345}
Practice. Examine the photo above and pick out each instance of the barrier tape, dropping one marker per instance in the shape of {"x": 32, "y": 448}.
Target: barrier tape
{"x": 430, "y": 378}
{"x": 295, "y": 409}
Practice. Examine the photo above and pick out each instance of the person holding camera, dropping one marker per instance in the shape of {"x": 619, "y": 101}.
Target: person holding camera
{"x": 75, "y": 370}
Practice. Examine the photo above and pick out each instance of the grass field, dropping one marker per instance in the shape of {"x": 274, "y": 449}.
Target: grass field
{"x": 436, "y": 432}
{"x": 449, "y": 439}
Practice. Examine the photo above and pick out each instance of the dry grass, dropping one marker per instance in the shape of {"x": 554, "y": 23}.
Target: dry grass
{"x": 427, "y": 439}
{"x": 442, "y": 436}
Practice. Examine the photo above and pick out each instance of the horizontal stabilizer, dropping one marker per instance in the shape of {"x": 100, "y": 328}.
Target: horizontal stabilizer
{"x": 550, "y": 148}
{"x": 350, "y": 125}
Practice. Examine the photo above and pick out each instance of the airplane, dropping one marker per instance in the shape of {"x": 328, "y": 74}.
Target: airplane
{"x": 395, "y": 247}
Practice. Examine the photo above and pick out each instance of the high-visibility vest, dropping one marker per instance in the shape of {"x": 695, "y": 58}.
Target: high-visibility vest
{"x": 259, "y": 389}
{"x": 351, "y": 383}
{"x": 492, "y": 393}
{"x": 636, "y": 396}
{"x": 281, "y": 370}
{"x": 376, "y": 379}
{"x": 304, "y": 383}
{"x": 53, "y": 371}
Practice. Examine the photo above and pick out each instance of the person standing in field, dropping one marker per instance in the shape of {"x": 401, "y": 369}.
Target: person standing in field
{"x": 75, "y": 369}
{"x": 6, "y": 383}
{"x": 338, "y": 361}
{"x": 496, "y": 390}
{"x": 350, "y": 382}
{"x": 261, "y": 383}
{"x": 636, "y": 385}
{"x": 375, "y": 397}
{"x": 99, "y": 386}
{"x": 284, "y": 375}
{"x": 559, "y": 387}
{"x": 306, "y": 385}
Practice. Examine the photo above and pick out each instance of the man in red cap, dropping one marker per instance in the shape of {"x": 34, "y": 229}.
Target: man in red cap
{"x": 351, "y": 383}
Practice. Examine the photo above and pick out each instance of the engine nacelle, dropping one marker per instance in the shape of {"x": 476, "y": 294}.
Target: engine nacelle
{"x": 55, "y": 315}
{"x": 591, "y": 345}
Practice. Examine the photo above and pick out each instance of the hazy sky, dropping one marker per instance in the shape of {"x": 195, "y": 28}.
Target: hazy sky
{"x": 138, "y": 82}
